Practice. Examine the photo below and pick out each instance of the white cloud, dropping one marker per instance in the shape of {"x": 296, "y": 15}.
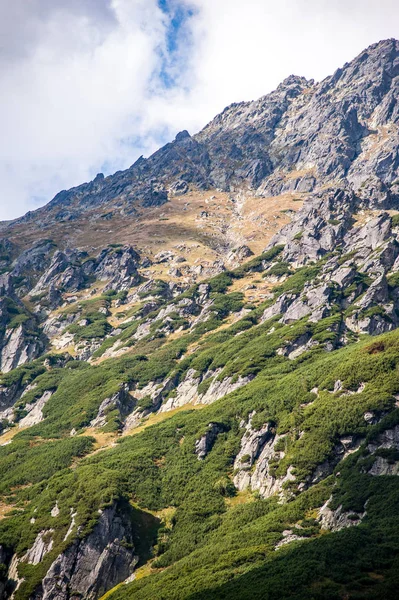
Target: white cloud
{"x": 68, "y": 101}
{"x": 81, "y": 81}
{"x": 249, "y": 47}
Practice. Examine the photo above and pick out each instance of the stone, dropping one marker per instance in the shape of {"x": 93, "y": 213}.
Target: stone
{"x": 35, "y": 411}
{"x": 121, "y": 401}
{"x": 92, "y": 565}
{"x": 204, "y": 445}
{"x": 335, "y": 520}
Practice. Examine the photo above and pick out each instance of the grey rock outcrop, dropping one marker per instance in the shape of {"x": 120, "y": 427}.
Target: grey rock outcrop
{"x": 18, "y": 347}
{"x": 188, "y": 390}
{"x": 384, "y": 466}
{"x": 252, "y": 443}
{"x": 35, "y": 411}
{"x": 252, "y": 465}
{"x": 42, "y": 545}
{"x": 336, "y": 519}
{"x": 64, "y": 272}
{"x": 118, "y": 267}
{"x": 205, "y": 444}
{"x": 73, "y": 270}
{"x": 122, "y": 402}
{"x": 91, "y": 566}
{"x": 387, "y": 439}
{"x": 386, "y": 448}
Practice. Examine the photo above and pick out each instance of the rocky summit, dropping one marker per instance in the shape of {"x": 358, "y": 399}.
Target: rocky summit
{"x": 199, "y": 361}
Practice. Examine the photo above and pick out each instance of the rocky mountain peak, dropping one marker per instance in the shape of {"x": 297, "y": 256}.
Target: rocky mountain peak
{"x": 234, "y": 277}
{"x": 298, "y": 138}
{"x": 183, "y": 135}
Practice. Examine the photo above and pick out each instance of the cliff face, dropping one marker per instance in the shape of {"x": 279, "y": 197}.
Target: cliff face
{"x": 234, "y": 278}
{"x": 90, "y": 567}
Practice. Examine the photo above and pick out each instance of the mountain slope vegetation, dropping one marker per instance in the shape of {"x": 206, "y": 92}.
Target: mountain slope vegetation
{"x": 207, "y": 416}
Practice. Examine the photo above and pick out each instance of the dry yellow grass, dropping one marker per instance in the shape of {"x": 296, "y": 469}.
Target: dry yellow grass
{"x": 10, "y": 434}
{"x": 252, "y": 220}
{"x": 155, "y": 418}
{"x": 240, "y": 498}
{"x": 5, "y": 509}
{"x": 103, "y": 440}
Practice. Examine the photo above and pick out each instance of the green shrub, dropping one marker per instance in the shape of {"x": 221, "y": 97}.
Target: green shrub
{"x": 278, "y": 270}
{"x": 395, "y": 220}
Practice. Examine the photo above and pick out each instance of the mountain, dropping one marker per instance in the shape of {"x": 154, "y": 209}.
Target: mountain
{"x": 199, "y": 391}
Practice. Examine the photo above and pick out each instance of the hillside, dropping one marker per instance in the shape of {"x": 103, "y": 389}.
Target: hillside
{"x": 199, "y": 358}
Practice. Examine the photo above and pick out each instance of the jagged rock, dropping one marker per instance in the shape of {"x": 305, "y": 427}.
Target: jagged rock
{"x": 371, "y": 235}
{"x": 19, "y": 347}
{"x": 8, "y": 396}
{"x": 279, "y": 307}
{"x": 251, "y": 445}
{"x": 298, "y": 347}
{"x": 73, "y": 270}
{"x": 122, "y": 401}
{"x": 53, "y": 326}
{"x": 288, "y": 537}
{"x": 142, "y": 331}
{"x": 179, "y": 188}
{"x": 118, "y": 266}
{"x": 164, "y": 256}
{"x": 384, "y": 466}
{"x": 64, "y": 272}
{"x": 238, "y": 255}
{"x": 262, "y": 479}
{"x": 205, "y": 444}
{"x": 35, "y": 411}
{"x": 174, "y": 272}
{"x": 311, "y": 235}
{"x": 187, "y": 391}
{"x": 42, "y": 546}
{"x": 376, "y": 294}
{"x": 31, "y": 263}
{"x": 95, "y": 564}
{"x": 387, "y": 439}
{"x": 344, "y": 276}
{"x": 219, "y": 389}
{"x": 252, "y": 464}
{"x": 373, "y": 325}
{"x": 185, "y": 307}
{"x": 346, "y": 446}
{"x": 156, "y": 392}
{"x": 86, "y": 349}
{"x": 64, "y": 341}
{"x": 203, "y": 293}
{"x": 337, "y": 519}
{"x": 310, "y": 303}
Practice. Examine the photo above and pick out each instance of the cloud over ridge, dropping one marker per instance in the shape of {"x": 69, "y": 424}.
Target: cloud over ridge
{"x": 89, "y": 85}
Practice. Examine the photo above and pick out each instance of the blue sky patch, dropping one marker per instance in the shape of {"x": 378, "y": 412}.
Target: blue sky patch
{"x": 174, "y": 61}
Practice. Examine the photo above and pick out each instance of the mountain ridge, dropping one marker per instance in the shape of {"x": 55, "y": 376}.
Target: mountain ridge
{"x": 381, "y": 58}
{"x": 199, "y": 389}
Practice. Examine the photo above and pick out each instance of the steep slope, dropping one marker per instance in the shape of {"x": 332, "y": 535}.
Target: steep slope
{"x": 299, "y": 138}
{"x": 190, "y": 418}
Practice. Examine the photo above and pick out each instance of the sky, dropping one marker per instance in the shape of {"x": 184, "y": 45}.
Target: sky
{"x": 88, "y": 86}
